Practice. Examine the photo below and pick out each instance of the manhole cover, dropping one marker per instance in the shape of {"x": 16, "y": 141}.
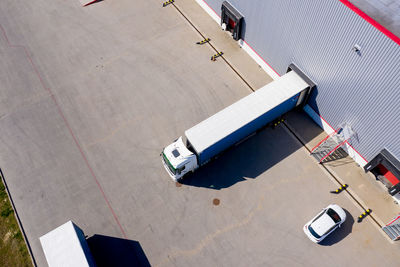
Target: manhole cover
{"x": 216, "y": 201}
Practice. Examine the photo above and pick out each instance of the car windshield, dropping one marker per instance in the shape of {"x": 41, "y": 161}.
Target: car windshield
{"x": 319, "y": 215}
{"x": 335, "y": 217}
{"x": 170, "y": 167}
{"x": 176, "y": 153}
{"x": 313, "y": 232}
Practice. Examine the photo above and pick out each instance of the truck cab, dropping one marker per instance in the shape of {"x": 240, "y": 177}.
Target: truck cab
{"x": 178, "y": 160}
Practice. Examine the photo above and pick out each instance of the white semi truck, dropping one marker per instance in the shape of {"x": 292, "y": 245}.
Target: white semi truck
{"x": 209, "y": 138}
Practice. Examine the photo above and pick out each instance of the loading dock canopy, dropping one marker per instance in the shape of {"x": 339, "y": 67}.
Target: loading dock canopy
{"x": 232, "y": 18}
{"x": 391, "y": 166}
{"x": 66, "y": 246}
{"x": 228, "y": 120}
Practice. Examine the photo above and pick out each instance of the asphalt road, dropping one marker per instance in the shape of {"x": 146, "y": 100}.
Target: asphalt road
{"x": 90, "y": 96}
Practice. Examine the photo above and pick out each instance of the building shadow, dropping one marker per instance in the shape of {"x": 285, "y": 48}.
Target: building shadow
{"x": 336, "y": 155}
{"x": 340, "y": 162}
{"x": 112, "y": 251}
{"x": 340, "y": 233}
{"x": 243, "y": 30}
{"x": 308, "y": 130}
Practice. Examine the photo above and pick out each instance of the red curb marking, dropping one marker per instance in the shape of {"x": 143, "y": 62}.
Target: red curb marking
{"x": 261, "y": 58}
{"x": 211, "y": 8}
{"x": 393, "y": 221}
{"x": 68, "y": 127}
{"x": 320, "y": 142}
{"x": 387, "y": 33}
{"x": 92, "y": 2}
{"x": 371, "y": 21}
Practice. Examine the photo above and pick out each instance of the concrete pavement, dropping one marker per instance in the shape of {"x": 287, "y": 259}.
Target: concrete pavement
{"x": 368, "y": 191}
{"x": 90, "y": 97}
{"x": 222, "y": 41}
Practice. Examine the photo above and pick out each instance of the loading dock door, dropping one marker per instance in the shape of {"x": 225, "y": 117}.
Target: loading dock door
{"x": 232, "y": 19}
{"x": 386, "y": 168}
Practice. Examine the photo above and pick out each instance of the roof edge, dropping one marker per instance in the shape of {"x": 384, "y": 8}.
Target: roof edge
{"x": 371, "y": 21}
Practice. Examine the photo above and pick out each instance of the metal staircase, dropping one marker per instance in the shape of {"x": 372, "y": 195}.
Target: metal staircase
{"x": 332, "y": 142}
{"x": 328, "y": 145}
{"x": 392, "y": 229}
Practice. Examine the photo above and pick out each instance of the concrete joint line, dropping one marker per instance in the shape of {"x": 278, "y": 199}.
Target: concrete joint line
{"x": 335, "y": 178}
{"x": 212, "y": 46}
{"x": 67, "y": 125}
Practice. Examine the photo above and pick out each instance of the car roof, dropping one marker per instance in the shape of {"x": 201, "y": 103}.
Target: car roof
{"x": 322, "y": 224}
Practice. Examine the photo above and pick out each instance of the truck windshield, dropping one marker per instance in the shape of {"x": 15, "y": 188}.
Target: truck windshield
{"x": 170, "y": 167}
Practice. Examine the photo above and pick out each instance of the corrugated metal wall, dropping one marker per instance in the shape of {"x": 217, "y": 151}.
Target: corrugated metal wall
{"x": 360, "y": 89}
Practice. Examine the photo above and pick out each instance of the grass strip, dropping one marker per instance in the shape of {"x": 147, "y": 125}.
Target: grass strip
{"x": 13, "y": 250}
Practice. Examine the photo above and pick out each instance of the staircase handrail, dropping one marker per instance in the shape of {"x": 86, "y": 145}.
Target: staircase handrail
{"x": 336, "y": 147}
{"x": 395, "y": 219}
{"x": 323, "y": 140}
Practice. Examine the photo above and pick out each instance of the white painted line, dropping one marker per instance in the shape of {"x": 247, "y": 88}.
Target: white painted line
{"x": 209, "y": 10}
{"x": 260, "y": 61}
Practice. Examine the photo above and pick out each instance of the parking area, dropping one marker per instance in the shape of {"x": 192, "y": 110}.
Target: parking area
{"x": 91, "y": 95}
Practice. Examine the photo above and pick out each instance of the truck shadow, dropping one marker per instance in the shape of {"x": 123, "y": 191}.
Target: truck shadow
{"x": 112, "y": 251}
{"x": 340, "y": 233}
{"x": 247, "y": 160}
{"x": 255, "y": 155}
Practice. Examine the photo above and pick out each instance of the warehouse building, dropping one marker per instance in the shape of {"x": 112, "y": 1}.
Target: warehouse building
{"x": 351, "y": 51}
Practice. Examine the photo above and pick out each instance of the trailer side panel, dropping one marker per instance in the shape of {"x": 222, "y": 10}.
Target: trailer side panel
{"x": 230, "y": 125}
{"x": 248, "y": 129}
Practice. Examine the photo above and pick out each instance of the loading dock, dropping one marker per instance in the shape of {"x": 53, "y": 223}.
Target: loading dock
{"x": 386, "y": 168}
{"x": 188, "y": 230}
{"x": 232, "y": 20}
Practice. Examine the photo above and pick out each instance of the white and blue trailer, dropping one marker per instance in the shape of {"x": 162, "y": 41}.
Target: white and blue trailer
{"x": 214, "y": 135}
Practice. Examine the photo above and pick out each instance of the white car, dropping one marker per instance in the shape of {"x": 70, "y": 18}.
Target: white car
{"x": 325, "y": 223}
